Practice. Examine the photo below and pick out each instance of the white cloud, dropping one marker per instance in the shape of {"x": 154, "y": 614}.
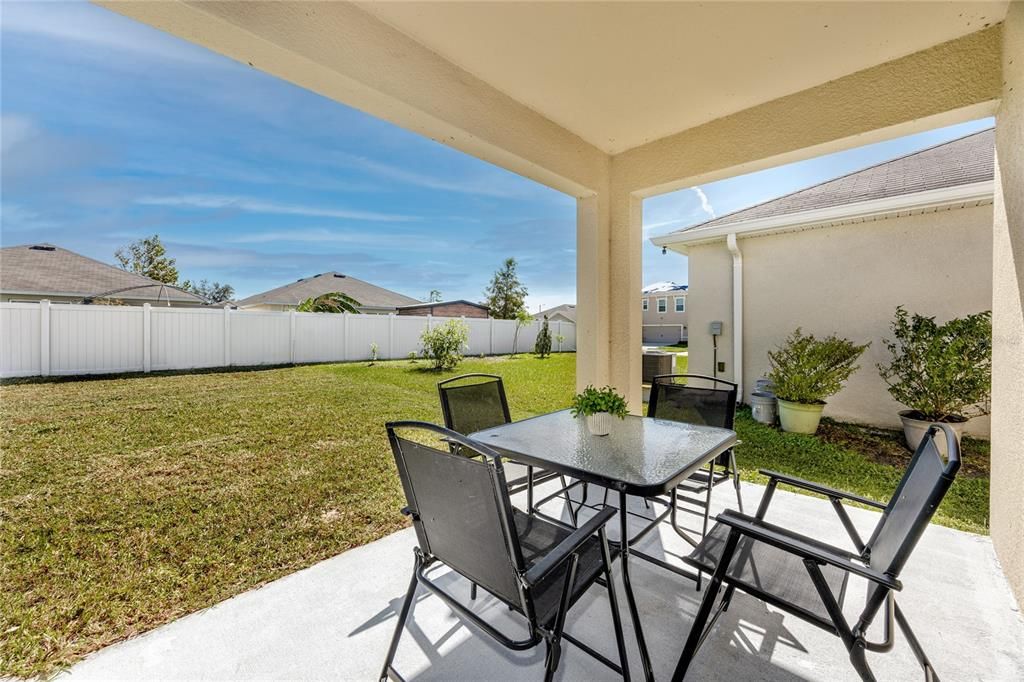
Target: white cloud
{"x": 83, "y": 23}
{"x": 676, "y": 210}
{"x": 704, "y": 203}
{"x": 250, "y": 205}
{"x": 493, "y": 184}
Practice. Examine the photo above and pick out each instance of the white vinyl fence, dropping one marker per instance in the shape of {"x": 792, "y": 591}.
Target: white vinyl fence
{"x": 42, "y": 339}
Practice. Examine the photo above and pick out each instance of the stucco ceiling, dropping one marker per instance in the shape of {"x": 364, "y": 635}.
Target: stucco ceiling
{"x": 619, "y": 77}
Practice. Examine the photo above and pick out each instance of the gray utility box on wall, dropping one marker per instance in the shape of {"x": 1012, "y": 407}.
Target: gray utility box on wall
{"x": 656, "y": 362}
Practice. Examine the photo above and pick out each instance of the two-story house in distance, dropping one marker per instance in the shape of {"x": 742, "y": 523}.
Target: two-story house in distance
{"x": 664, "y": 306}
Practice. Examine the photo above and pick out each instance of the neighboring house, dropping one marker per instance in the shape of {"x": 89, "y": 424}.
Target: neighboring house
{"x": 33, "y": 272}
{"x": 460, "y": 308}
{"x": 664, "y": 308}
{"x": 560, "y": 313}
{"x": 372, "y": 298}
{"x": 839, "y": 257}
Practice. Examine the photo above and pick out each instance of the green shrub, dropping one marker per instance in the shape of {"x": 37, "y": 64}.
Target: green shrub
{"x": 443, "y": 345}
{"x": 808, "y": 370}
{"x": 592, "y": 401}
{"x": 333, "y": 302}
{"x": 543, "y": 345}
{"x": 941, "y": 372}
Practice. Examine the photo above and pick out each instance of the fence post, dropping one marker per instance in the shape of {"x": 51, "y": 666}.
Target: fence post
{"x": 391, "y": 336}
{"x": 492, "y": 337}
{"x": 227, "y": 336}
{"x": 344, "y": 336}
{"x": 147, "y": 336}
{"x": 291, "y": 336}
{"x": 44, "y": 338}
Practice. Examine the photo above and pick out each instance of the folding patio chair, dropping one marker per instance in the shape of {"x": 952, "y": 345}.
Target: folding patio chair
{"x": 474, "y": 402}
{"x": 709, "y": 406}
{"x": 674, "y": 398}
{"x": 459, "y": 504}
{"x": 807, "y": 578}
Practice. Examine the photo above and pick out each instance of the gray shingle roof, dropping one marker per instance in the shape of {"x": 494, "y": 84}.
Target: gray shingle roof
{"x": 45, "y": 269}
{"x": 962, "y": 161}
{"x": 368, "y": 295}
{"x": 568, "y": 310}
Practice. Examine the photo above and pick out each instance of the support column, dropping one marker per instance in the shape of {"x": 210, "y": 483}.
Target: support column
{"x": 592, "y": 287}
{"x": 1006, "y": 502}
{"x": 625, "y": 314}
{"x": 608, "y": 281}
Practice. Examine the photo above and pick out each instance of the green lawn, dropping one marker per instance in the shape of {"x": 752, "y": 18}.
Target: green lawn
{"x": 130, "y": 501}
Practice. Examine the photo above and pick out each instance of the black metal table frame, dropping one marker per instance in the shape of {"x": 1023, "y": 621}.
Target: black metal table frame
{"x": 652, "y": 493}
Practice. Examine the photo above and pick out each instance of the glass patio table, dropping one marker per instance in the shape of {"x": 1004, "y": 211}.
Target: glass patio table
{"x": 641, "y": 456}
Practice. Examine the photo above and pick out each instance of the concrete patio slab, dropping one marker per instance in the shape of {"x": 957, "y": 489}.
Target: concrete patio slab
{"x": 334, "y": 620}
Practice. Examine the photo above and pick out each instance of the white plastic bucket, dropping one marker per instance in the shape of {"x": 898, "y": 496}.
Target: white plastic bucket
{"x": 762, "y": 407}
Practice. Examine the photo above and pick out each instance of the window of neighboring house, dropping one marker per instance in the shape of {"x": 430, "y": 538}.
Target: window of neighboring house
{"x": 645, "y": 305}
{"x": 680, "y": 304}
{"x": 662, "y": 305}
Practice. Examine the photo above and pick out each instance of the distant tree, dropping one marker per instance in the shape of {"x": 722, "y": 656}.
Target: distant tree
{"x": 334, "y": 302}
{"x": 506, "y": 295}
{"x": 211, "y": 292}
{"x": 543, "y": 346}
{"x": 435, "y": 296}
{"x": 148, "y": 257}
{"x": 522, "y": 318}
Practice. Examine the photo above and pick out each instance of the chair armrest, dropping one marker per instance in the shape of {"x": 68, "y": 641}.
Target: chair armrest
{"x": 564, "y": 549}
{"x": 789, "y": 541}
{"x": 818, "y": 488}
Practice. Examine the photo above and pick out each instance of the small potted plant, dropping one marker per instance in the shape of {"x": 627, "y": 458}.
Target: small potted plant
{"x": 806, "y": 371}
{"x": 598, "y": 406}
{"x": 943, "y": 373}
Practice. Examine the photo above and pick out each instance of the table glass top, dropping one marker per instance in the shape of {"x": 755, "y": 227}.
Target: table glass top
{"x": 643, "y": 454}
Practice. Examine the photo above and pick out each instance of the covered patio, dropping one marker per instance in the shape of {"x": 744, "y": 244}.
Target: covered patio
{"x": 334, "y": 621}
{"x": 612, "y": 104}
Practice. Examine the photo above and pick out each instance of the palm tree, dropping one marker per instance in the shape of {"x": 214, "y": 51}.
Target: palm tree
{"x": 333, "y": 302}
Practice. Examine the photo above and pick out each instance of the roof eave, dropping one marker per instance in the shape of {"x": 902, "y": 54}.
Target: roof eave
{"x": 875, "y": 209}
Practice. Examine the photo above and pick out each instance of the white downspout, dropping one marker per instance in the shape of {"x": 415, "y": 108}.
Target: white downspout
{"x": 737, "y": 313}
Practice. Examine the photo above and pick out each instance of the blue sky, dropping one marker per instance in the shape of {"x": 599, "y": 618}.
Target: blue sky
{"x": 112, "y": 131}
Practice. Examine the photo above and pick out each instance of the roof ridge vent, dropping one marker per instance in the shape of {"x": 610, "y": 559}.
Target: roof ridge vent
{"x": 42, "y": 247}
{"x": 339, "y": 275}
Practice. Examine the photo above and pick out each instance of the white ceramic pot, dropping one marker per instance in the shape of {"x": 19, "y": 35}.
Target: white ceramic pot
{"x": 915, "y": 429}
{"x": 799, "y": 417}
{"x": 599, "y": 423}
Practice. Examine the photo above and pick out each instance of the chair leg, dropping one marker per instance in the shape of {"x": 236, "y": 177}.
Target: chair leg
{"x": 620, "y": 638}
{"x": 915, "y": 646}
{"x": 568, "y": 501}
{"x": 860, "y": 661}
{"x": 736, "y": 480}
{"x": 696, "y": 635}
{"x": 403, "y": 615}
{"x": 554, "y": 641}
{"x": 707, "y": 511}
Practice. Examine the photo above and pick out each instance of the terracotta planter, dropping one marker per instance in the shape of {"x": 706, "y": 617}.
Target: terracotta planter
{"x": 599, "y": 423}
{"x": 915, "y": 429}
{"x": 799, "y": 417}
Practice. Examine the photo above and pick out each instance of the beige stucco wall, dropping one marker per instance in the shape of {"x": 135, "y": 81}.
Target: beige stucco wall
{"x": 849, "y": 280}
{"x": 1007, "y": 493}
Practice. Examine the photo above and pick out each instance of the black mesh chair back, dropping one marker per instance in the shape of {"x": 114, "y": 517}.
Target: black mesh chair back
{"x": 679, "y": 397}
{"x": 473, "y": 402}
{"x": 912, "y": 506}
{"x": 463, "y": 510}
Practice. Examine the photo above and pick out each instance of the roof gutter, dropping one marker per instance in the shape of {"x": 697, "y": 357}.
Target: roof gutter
{"x": 737, "y": 314}
{"x": 875, "y": 209}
